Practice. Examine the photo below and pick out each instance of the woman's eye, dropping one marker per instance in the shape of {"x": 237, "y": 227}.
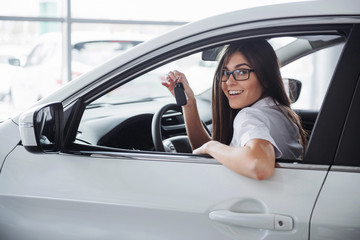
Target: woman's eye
{"x": 240, "y": 72}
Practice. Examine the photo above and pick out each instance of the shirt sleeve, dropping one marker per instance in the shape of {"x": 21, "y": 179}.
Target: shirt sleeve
{"x": 252, "y": 124}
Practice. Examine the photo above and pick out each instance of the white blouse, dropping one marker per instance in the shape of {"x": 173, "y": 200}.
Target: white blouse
{"x": 265, "y": 120}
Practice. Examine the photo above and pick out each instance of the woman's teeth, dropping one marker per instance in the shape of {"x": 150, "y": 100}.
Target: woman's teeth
{"x": 235, "y": 92}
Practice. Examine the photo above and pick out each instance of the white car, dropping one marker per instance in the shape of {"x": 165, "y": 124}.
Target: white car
{"x": 41, "y": 73}
{"x": 103, "y": 158}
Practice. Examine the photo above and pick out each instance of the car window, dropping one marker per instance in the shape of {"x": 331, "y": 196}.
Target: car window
{"x": 314, "y": 72}
{"x": 127, "y": 110}
{"x": 122, "y": 118}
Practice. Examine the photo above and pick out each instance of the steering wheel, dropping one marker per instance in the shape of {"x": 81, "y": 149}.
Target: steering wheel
{"x": 173, "y": 144}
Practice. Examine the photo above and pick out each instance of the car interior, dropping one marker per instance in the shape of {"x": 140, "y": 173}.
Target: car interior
{"x": 141, "y": 115}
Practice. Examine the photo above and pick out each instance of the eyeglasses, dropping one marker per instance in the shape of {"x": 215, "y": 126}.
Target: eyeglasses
{"x": 238, "y": 74}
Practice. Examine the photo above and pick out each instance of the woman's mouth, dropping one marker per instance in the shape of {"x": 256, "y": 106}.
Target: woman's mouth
{"x": 235, "y": 92}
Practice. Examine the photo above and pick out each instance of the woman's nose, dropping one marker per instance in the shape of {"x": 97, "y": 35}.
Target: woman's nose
{"x": 231, "y": 80}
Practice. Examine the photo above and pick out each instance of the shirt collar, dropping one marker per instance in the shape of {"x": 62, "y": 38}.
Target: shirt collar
{"x": 265, "y": 102}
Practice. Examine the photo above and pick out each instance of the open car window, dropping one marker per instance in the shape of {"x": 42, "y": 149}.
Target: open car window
{"x": 122, "y": 118}
{"x": 314, "y": 71}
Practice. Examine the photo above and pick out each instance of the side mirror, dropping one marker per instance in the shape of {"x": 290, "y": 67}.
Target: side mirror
{"x": 41, "y": 128}
{"x": 14, "y": 62}
{"x": 293, "y": 88}
{"x": 211, "y": 54}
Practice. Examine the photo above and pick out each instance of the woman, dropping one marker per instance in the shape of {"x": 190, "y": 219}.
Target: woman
{"x": 252, "y": 120}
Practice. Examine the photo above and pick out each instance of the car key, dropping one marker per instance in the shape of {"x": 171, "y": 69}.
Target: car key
{"x": 180, "y": 95}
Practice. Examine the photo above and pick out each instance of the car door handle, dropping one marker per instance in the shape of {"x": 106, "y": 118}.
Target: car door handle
{"x": 253, "y": 220}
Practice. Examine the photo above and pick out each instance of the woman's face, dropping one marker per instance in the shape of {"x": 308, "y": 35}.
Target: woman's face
{"x": 241, "y": 93}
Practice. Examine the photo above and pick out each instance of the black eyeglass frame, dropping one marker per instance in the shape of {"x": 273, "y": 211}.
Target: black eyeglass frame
{"x": 228, "y": 73}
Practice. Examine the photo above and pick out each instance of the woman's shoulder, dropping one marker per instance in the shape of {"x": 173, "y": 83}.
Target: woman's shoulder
{"x": 251, "y": 115}
{"x": 263, "y": 110}
{"x": 249, "y": 111}
{"x": 266, "y": 102}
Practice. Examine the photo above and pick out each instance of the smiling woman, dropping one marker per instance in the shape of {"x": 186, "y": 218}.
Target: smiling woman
{"x": 249, "y": 107}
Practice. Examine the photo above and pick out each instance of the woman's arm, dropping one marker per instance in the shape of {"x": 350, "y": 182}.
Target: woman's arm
{"x": 194, "y": 128}
{"x": 255, "y": 160}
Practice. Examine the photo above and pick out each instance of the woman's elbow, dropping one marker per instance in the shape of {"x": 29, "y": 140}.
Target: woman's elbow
{"x": 262, "y": 175}
{"x": 261, "y": 171}
{"x": 261, "y": 159}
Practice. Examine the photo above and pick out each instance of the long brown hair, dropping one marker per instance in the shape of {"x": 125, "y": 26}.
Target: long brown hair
{"x": 263, "y": 59}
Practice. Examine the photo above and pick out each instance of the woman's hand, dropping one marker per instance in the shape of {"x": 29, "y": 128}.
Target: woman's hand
{"x": 175, "y": 76}
{"x": 194, "y": 127}
{"x": 205, "y": 147}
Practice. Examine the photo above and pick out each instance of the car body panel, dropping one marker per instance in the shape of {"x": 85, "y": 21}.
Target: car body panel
{"x": 10, "y": 137}
{"x": 337, "y": 215}
{"x": 153, "y": 190}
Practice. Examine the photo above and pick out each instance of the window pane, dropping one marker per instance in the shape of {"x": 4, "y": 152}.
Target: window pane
{"x": 315, "y": 72}
{"x": 95, "y": 43}
{"x": 136, "y": 31}
{"x": 131, "y": 105}
{"x": 31, "y": 8}
{"x": 159, "y": 10}
{"x": 136, "y": 10}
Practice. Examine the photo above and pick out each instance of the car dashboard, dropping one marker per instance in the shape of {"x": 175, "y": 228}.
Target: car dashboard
{"x": 128, "y": 125}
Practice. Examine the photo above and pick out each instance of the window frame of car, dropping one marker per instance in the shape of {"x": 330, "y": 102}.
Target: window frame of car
{"x": 314, "y": 155}
{"x": 333, "y": 112}
{"x": 348, "y": 147}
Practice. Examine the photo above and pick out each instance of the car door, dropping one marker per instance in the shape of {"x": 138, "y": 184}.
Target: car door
{"x": 93, "y": 192}
{"x": 151, "y": 196}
